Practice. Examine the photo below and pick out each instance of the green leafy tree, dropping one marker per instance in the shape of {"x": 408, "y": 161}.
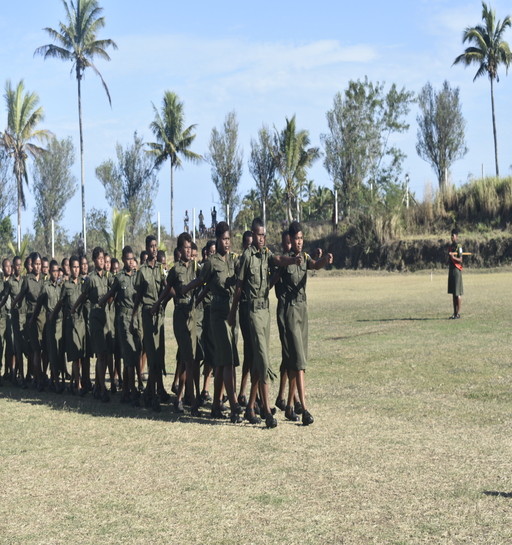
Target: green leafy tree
{"x": 262, "y": 166}
{"x": 130, "y": 184}
{"x": 293, "y": 158}
{"x": 23, "y": 116}
{"x": 488, "y": 51}
{"x": 7, "y": 187}
{"x": 226, "y": 159}
{"x": 441, "y": 128}
{"x": 173, "y": 139}
{"x": 359, "y": 155}
{"x": 54, "y": 185}
{"x": 77, "y": 41}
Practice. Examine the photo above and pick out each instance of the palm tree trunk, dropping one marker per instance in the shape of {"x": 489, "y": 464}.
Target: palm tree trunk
{"x": 172, "y": 200}
{"x": 494, "y": 129}
{"x": 18, "y": 234}
{"x": 83, "y": 229}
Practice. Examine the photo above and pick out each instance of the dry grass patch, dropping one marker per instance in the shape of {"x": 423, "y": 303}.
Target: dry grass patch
{"x": 411, "y": 442}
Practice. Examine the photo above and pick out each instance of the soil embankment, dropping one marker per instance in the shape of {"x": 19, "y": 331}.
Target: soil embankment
{"x": 493, "y": 250}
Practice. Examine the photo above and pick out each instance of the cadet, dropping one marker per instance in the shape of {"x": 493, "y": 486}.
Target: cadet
{"x": 86, "y": 310}
{"x": 47, "y": 300}
{"x": 29, "y": 292}
{"x": 243, "y": 317}
{"x": 295, "y": 312}
{"x": 11, "y": 290}
{"x": 218, "y": 273}
{"x": 74, "y": 324}
{"x": 455, "y": 286}
{"x": 93, "y": 289}
{"x": 149, "y": 284}
{"x": 184, "y": 318}
{"x": 6, "y": 342}
{"x": 253, "y": 279}
{"x": 123, "y": 290}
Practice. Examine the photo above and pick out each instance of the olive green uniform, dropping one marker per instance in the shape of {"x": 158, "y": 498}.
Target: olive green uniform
{"x": 295, "y": 312}
{"x": 220, "y": 277}
{"x": 75, "y": 328}
{"x": 96, "y": 287}
{"x": 125, "y": 292}
{"x": 184, "y": 318}
{"x": 30, "y": 290}
{"x": 86, "y": 312}
{"x": 6, "y": 340}
{"x": 48, "y": 299}
{"x": 254, "y": 271}
{"x": 18, "y": 314}
{"x": 280, "y": 292}
{"x": 110, "y": 311}
{"x": 150, "y": 282}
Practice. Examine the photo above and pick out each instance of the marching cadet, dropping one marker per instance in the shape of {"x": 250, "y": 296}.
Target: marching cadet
{"x": 218, "y": 273}
{"x": 149, "y": 285}
{"x": 123, "y": 291}
{"x": 93, "y": 289}
{"x": 295, "y": 353}
{"x": 86, "y": 310}
{"x": 29, "y": 292}
{"x": 11, "y": 290}
{"x": 6, "y": 341}
{"x": 243, "y": 318}
{"x": 253, "y": 279}
{"x": 110, "y": 312}
{"x": 184, "y": 319}
{"x": 74, "y": 324}
{"x": 48, "y": 300}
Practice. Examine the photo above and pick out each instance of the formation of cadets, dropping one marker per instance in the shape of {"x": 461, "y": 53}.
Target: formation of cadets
{"x": 54, "y": 315}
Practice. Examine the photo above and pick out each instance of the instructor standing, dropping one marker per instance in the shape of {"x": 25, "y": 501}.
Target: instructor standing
{"x": 455, "y": 286}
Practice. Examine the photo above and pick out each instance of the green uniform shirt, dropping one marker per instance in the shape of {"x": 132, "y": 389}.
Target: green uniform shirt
{"x": 31, "y": 289}
{"x": 294, "y": 277}
{"x": 50, "y": 296}
{"x": 181, "y": 275}
{"x": 149, "y": 282}
{"x": 70, "y": 292}
{"x": 124, "y": 288}
{"x": 96, "y": 286}
{"x": 219, "y": 275}
{"x": 254, "y": 272}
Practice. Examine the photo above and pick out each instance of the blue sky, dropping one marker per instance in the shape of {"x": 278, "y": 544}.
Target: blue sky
{"x": 266, "y": 60}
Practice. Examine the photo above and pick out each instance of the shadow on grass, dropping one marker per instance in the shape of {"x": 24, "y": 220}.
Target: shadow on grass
{"x": 113, "y": 409}
{"x": 401, "y": 320}
{"x": 499, "y": 494}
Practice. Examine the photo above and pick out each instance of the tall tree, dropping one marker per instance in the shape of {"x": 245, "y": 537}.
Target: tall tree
{"x": 7, "y": 187}
{"x": 488, "y": 51}
{"x": 173, "y": 139}
{"x": 262, "y": 166}
{"x": 293, "y": 157}
{"x": 23, "y": 116}
{"x": 359, "y": 155}
{"x": 54, "y": 185}
{"x": 226, "y": 160}
{"x": 130, "y": 184}
{"x": 441, "y": 127}
{"x": 77, "y": 41}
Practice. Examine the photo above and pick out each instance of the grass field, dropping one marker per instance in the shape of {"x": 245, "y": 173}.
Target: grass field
{"x": 411, "y": 441}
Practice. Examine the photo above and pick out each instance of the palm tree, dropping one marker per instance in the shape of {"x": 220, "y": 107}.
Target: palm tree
{"x": 488, "y": 51}
{"x": 77, "y": 42}
{"x": 173, "y": 140}
{"x": 23, "y": 116}
{"x": 116, "y": 237}
{"x": 293, "y": 158}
